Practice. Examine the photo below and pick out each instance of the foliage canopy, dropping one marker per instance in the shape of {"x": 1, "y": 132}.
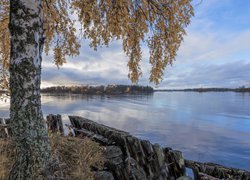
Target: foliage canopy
{"x": 158, "y": 23}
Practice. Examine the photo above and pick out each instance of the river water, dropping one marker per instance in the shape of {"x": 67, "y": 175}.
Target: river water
{"x": 207, "y": 127}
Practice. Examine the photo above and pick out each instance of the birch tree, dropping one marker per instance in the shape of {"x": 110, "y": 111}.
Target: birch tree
{"x": 30, "y": 27}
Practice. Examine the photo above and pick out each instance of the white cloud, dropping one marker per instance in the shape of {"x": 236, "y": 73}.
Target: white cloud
{"x": 208, "y": 44}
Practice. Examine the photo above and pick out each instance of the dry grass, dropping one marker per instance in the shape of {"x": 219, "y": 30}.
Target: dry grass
{"x": 74, "y": 157}
{"x": 6, "y": 157}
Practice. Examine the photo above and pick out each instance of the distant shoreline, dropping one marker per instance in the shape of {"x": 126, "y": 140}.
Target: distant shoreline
{"x": 129, "y": 89}
{"x": 241, "y": 89}
{"x": 99, "y": 90}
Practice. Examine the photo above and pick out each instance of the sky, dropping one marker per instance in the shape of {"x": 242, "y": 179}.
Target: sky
{"x": 215, "y": 53}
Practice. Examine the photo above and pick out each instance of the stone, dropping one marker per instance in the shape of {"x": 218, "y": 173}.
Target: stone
{"x": 204, "y": 176}
{"x": 184, "y": 178}
{"x": 103, "y": 175}
{"x": 54, "y": 123}
{"x": 5, "y": 131}
{"x": 113, "y": 154}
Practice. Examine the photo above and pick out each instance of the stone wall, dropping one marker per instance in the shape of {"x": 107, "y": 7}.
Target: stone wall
{"x": 216, "y": 171}
{"x": 131, "y": 158}
{"x": 128, "y": 157}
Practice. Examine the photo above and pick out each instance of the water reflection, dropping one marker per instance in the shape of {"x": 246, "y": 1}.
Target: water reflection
{"x": 211, "y": 126}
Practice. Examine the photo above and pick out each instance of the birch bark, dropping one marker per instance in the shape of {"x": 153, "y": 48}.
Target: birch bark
{"x": 27, "y": 124}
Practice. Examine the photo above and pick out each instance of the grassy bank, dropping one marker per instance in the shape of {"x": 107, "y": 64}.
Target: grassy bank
{"x": 72, "y": 158}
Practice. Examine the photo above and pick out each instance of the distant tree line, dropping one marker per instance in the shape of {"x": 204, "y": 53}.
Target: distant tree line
{"x": 239, "y": 89}
{"x": 92, "y": 90}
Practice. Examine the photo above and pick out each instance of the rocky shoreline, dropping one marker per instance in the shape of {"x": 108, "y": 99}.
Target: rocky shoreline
{"x": 130, "y": 158}
{"x": 149, "y": 161}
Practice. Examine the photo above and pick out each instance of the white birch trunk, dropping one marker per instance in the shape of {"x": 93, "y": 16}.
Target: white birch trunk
{"x": 27, "y": 124}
